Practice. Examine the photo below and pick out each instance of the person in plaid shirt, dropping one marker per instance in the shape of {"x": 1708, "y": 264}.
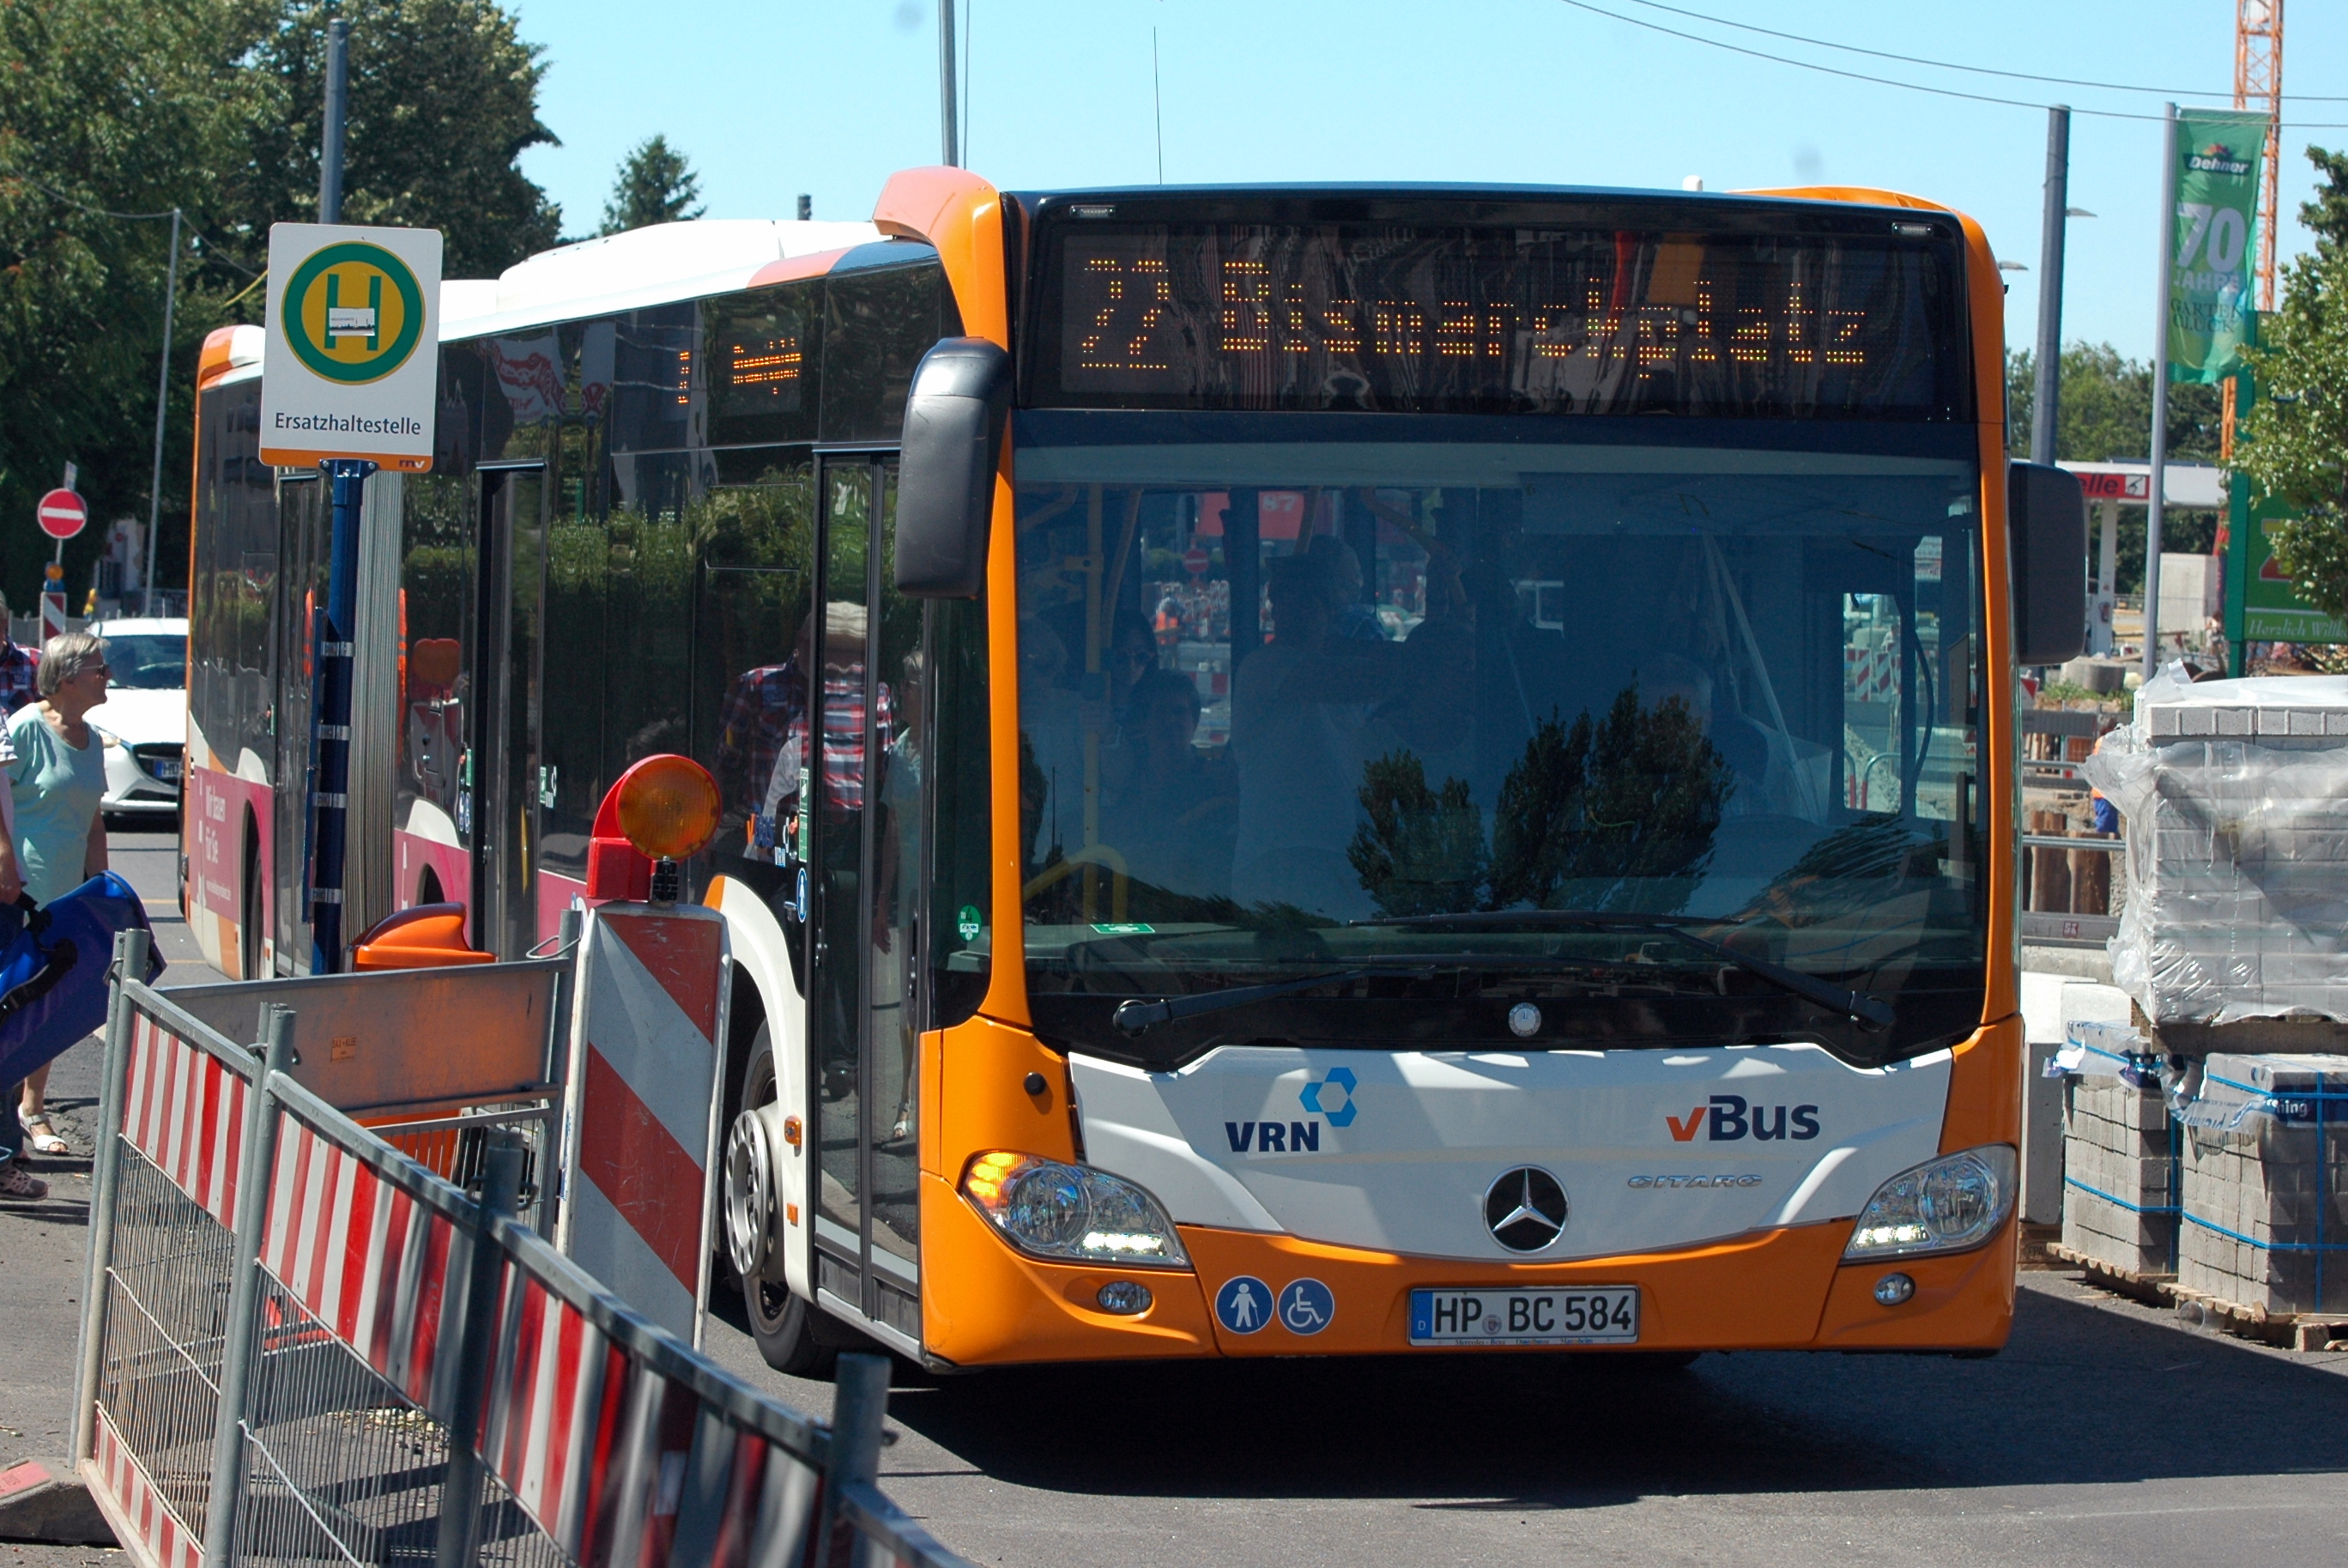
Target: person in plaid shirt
{"x": 761, "y": 710}
{"x": 20, "y": 668}
{"x": 765, "y": 727}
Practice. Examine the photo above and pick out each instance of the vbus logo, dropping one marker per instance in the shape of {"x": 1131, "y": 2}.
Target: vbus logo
{"x": 1727, "y": 1117}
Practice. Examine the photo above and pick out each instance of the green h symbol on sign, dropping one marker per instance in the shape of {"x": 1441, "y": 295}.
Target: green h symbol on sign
{"x": 353, "y": 321}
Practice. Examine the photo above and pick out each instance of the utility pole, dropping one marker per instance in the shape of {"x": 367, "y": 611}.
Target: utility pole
{"x": 2047, "y": 389}
{"x": 330, "y": 150}
{"x": 162, "y": 403}
{"x": 2164, "y": 250}
{"x": 949, "y": 114}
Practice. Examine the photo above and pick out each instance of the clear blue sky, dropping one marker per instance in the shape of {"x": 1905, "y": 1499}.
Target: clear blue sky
{"x": 772, "y": 97}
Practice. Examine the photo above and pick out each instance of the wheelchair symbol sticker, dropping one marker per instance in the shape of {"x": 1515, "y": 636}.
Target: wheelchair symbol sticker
{"x": 1243, "y": 1305}
{"x": 1306, "y": 1306}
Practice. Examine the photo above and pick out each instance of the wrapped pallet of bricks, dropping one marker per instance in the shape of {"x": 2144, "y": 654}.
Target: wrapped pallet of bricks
{"x": 2235, "y": 794}
{"x": 2265, "y": 1184}
{"x": 2119, "y": 1154}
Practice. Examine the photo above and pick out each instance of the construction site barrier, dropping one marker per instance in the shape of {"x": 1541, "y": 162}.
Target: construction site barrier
{"x": 300, "y": 1344}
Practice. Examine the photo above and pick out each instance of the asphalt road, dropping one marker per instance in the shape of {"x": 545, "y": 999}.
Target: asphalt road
{"x": 2104, "y": 1434}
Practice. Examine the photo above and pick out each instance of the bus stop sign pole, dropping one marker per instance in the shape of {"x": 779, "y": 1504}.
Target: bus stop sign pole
{"x": 348, "y": 368}
{"x": 331, "y": 701}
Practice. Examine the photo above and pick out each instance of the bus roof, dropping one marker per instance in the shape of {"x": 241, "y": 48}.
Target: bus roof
{"x": 657, "y": 265}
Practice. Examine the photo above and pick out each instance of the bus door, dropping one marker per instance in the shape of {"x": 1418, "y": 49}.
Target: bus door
{"x": 500, "y": 768}
{"x": 864, "y": 789}
{"x": 304, "y": 513}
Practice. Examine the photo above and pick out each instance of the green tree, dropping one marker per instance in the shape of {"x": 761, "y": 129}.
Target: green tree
{"x": 2327, "y": 216}
{"x": 2295, "y": 442}
{"x": 2107, "y": 409}
{"x": 105, "y": 110}
{"x": 2107, "y": 417}
{"x": 443, "y": 100}
{"x": 654, "y": 185}
{"x": 213, "y": 107}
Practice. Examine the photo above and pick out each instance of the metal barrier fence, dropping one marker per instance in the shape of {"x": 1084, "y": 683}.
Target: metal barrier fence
{"x": 300, "y": 1346}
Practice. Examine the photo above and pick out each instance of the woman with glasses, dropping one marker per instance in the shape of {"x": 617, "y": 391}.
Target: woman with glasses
{"x": 56, "y": 782}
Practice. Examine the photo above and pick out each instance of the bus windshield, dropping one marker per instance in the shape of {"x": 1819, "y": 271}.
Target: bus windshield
{"x": 1466, "y": 724}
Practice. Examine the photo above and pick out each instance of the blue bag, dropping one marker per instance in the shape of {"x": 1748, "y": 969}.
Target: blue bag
{"x": 53, "y": 969}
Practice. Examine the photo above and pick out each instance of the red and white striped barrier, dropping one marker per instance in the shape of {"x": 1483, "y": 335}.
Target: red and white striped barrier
{"x": 186, "y": 1113}
{"x": 623, "y": 1447}
{"x": 161, "y": 1539}
{"x": 618, "y": 1463}
{"x": 363, "y": 1258}
{"x": 647, "y": 1034}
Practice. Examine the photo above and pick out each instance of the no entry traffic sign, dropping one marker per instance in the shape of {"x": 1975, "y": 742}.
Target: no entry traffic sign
{"x": 63, "y": 513}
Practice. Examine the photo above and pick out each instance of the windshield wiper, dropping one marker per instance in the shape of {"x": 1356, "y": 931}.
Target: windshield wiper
{"x": 1856, "y": 1006}
{"x": 1134, "y": 1015}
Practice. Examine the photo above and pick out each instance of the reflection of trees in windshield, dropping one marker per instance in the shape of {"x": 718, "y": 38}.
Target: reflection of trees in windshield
{"x": 1421, "y": 851}
{"x": 1615, "y": 814}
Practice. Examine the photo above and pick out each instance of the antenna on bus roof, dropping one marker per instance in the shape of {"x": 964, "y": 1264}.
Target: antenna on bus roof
{"x": 1158, "y": 106}
{"x": 948, "y": 121}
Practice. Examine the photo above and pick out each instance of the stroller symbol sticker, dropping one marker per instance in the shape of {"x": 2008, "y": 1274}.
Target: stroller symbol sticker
{"x": 1306, "y": 1306}
{"x": 1243, "y": 1305}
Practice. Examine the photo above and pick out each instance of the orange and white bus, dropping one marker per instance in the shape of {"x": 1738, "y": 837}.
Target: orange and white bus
{"x": 1304, "y": 770}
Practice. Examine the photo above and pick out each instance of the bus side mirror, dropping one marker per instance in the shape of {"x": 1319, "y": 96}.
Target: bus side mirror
{"x": 955, "y": 416}
{"x": 2046, "y": 535}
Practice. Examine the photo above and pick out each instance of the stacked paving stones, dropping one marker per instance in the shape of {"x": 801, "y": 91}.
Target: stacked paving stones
{"x": 2268, "y": 1162}
{"x": 2236, "y": 794}
{"x": 2117, "y": 1140}
{"x": 2234, "y": 948}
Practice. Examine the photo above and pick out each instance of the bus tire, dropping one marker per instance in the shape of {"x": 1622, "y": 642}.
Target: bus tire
{"x": 781, "y": 1321}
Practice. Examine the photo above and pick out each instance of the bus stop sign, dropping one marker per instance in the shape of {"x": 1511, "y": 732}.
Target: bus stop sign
{"x": 62, "y": 514}
{"x": 351, "y": 353}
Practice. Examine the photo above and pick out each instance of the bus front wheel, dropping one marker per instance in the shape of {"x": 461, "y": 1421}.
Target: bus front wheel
{"x": 781, "y": 1321}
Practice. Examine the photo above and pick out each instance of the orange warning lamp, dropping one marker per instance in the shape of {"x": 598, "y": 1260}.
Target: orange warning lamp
{"x": 662, "y": 810}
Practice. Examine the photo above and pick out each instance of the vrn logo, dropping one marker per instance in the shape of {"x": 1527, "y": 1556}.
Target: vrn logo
{"x": 1331, "y": 1096}
{"x": 1728, "y": 1117}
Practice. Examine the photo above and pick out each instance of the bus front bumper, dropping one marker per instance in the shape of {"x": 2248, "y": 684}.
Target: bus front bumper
{"x": 986, "y": 1304}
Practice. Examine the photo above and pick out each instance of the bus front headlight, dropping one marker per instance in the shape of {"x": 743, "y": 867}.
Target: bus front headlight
{"x": 1071, "y": 1214}
{"x": 1944, "y": 1205}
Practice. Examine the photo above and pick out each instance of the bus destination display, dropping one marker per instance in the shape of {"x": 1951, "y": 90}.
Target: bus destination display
{"x": 1245, "y": 317}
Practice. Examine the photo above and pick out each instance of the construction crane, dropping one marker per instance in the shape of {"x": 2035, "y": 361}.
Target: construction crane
{"x": 2258, "y": 81}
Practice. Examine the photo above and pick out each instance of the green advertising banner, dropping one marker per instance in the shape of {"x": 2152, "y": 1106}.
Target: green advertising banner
{"x": 2210, "y": 297}
{"x": 2262, "y": 605}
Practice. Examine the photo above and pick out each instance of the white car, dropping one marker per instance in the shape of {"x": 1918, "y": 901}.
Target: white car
{"x": 144, "y": 718}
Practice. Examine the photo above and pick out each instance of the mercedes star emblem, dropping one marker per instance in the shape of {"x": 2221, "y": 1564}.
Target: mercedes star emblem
{"x": 1525, "y": 1209}
{"x": 1524, "y": 1020}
